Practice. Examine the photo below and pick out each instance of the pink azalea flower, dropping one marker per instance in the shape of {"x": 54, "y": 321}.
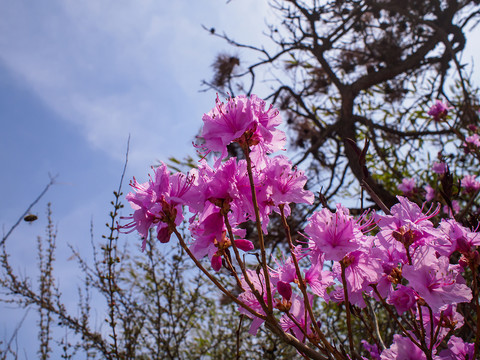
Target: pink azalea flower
{"x": 158, "y": 203}
{"x": 402, "y": 349}
{"x": 439, "y": 168}
{"x": 315, "y": 276}
{"x": 472, "y": 141}
{"x": 226, "y": 123}
{"x": 334, "y": 234}
{"x": 284, "y": 184}
{"x": 430, "y": 193}
{"x": 451, "y": 318}
{"x": 229, "y": 184}
{"x": 226, "y": 186}
{"x": 285, "y": 271}
{"x": 443, "y": 322}
{"x": 210, "y": 237}
{"x": 457, "y": 350}
{"x": 362, "y": 269}
{"x": 389, "y": 257}
{"x": 455, "y": 237}
{"x": 206, "y": 232}
{"x": 270, "y": 139}
{"x": 319, "y": 279}
{"x": 403, "y": 298}
{"x": 354, "y": 297}
{"x": 242, "y": 120}
{"x": 439, "y": 110}
{"x": 407, "y": 186}
{"x": 371, "y": 349}
{"x": 407, "y": 226}
{"x": 435, "y": 280}
{"x": 469, "y": 184}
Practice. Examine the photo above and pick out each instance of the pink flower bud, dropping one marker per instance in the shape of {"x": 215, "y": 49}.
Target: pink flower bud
{"x": 216, "y": 262}
{"x": 245, "y": 245}
{"x": 284, "y": 289}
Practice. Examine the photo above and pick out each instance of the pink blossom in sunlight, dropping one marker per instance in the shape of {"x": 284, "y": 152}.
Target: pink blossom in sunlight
{"x": 435, "y": 280}
{"x": 389, "y": 256}
{"x": 469, "y": 184}
{"x": 158, "y": 203}
{"x": 334, "y": 234}
{"x": 246, "y": 121}
{"x": 361, "y": 270}
{"x": 473, "y": 140}
{"x": 318, "y": 279}
{"x": 429, "y": 193}
{"x": 407, "y": 186}
{"x": 226, "y": 123}
{"x": 284, "y": 271}
{"x": 210, "y": 237}
{"x": 268, "y": 136}
{"x": 407, "y": 226}
{"x": 402, "y": 349}
{"x": 456, "y": 237}
{"x": 403, "y": 298}
{"x": 285, "y": 185}
{"x": 225, "y": 186}
{"x": 439, "y": 168}
{"x": 439, "y": 110}
{"x": 458, "y": 349}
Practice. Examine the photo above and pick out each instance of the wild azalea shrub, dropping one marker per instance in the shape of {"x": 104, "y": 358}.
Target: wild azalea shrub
{"x": 414, "y": 267}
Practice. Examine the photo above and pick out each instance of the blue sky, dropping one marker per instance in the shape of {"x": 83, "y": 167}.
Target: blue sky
{"x": 76, "y": 78}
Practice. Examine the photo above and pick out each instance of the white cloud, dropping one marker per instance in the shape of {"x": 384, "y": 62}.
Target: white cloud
{"x": 119, "y": 67}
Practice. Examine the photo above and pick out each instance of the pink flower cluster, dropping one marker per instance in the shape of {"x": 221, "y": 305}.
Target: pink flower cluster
{"x": 211, "y": 193}
{"x": 404, "y": 262}
{"x": 246, "y": 121}
{"x": 157, "y": 203}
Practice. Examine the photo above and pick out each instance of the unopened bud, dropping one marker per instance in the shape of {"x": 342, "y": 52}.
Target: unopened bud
{"x": 284, "y": 289}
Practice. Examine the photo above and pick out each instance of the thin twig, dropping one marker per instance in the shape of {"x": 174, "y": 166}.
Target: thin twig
{"x": 375, "y": 197}
{"x": 246, "y": 151}
{"x": 301, "y": 285}
{"x": 376, "y": 327}
{"x": 213, "y": 279}
{"x": 15, "y": 332}
{"x": 238, "y": 336}
{"x": 52, "y": 181}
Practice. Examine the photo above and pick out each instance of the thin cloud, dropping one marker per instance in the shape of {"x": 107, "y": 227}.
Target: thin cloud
{"x": 115, "y": 70}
